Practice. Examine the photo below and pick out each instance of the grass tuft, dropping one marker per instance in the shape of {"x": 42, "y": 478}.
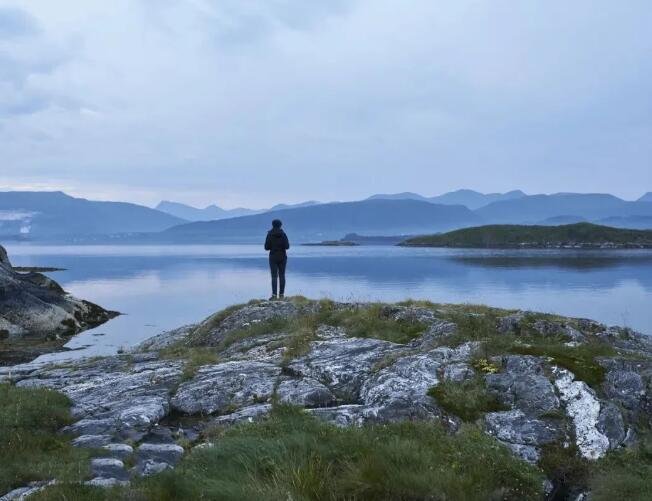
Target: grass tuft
{"x": 468, "y": 400}
{"x": 32, "y": 447}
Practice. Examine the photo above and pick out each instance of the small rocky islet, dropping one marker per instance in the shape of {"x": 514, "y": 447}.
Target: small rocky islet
{"x": 37, "y": 315}
{"x": 537, "y": 384}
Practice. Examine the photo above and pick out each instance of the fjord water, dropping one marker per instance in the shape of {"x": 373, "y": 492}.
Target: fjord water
{"x": 163, "y": 287}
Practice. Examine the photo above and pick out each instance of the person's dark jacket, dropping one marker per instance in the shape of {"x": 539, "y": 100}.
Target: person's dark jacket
{"x": 277, "y": 243}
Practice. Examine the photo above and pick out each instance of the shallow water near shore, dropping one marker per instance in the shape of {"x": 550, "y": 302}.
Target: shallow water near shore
{"x": 162, "y": 287}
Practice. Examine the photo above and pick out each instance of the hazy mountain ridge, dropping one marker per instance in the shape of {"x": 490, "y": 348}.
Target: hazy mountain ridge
{"x": 214, "y": 212}
{"x": 209, "y": 213}
{"x": 47, "y": 214}
{"x": 382, "y": 217}
{"x": 469, "y": 198}
{"x": 534, "y": 208}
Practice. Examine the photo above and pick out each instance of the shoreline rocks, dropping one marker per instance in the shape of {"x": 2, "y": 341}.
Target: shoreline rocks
{"x": 34, "y": 308}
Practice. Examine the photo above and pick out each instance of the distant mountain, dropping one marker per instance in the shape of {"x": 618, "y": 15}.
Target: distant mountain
{"x": 51, "y": 214}
{"x": 406, "y": 195}
{"x": 635, "y": 222}
{"x": 646, "y": 198}
{"x": 473, "y": 199}
{"x": 293, "y": 206}
{"x": 331, "y": 221}
{"x": 534, "y": 208}
{"x": 469, "y": 198}
{"x": 209, "y": 213}
{"x": 214, "y": 213}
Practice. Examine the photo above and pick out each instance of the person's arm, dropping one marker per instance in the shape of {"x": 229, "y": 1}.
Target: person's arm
{"x": 286, "y": 242}
{"x": 268, "y": 243}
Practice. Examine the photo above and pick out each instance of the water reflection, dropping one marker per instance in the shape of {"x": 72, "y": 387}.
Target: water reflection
{"x": 163, "y": 287}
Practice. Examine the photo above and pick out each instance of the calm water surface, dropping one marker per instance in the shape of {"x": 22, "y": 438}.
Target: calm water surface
{"x": 162, "y": 287}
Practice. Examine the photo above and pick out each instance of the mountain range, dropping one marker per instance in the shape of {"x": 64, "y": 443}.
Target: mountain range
{"x": 325, "y": 221}
{"x": 213, "y": 212}
{"x": 469, "y": 198}
{"x": 57, "y": 216}
{"x": 53, "y": 214}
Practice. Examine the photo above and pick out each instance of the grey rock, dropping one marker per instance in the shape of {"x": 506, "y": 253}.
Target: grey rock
{"x": 119, "y": 451}
{"x": 551, "y": 328}
{"x": 434, "y": 334}
{"x": 343, "y": 364}
{"x": 33, "y": 304}
{"x": 212, "y": 330}
{"x": 533, "y": 394}
{"x": 92, "y": 427}
{"x": 151, "y": 467}
{"x": 409, "y": 314}
{"x": 217, "y": 388}
{"x": 164, "y": 339}
{"x": 246, "y": 414}
{"x": 92, "y": 441}
{"x": 109, "y": 468}
{"x": 399, "y": 391}
{"x": 510, "y": 323}
{"x": 330, "y": 332}
{"x": 458, "y": 372}
{"x": 344, "y": 415}
{"x": 306, "y": 392}
{"x": 161, "y": 453}
{"x": 629, "y": 383}
{"x": 106, "y": 483}
{"x": 514, "y": 427}
{"x": 611, "y": 424}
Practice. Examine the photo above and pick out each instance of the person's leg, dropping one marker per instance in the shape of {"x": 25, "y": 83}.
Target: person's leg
{"x": 273, "y": 268}
{"x": 281, "y": 275}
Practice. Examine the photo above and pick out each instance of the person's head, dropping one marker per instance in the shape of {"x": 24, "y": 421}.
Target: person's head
{"x": 277, "y": 223}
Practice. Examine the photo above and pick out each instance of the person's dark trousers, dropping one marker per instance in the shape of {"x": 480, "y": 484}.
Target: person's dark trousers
{"x": 277, "y": 267}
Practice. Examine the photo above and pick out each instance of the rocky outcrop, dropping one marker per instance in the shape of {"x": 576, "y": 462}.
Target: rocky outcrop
{"x": 139, "y": 406}
{"x": 33, "y": 305}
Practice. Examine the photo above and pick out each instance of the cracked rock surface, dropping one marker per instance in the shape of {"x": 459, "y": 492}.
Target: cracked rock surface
{"x": 143, "y": 408}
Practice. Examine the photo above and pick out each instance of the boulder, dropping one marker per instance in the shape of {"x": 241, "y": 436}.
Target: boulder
{"x": 34, "y": 305}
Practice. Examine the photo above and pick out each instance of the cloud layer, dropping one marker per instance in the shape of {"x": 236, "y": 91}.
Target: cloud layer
{"x": 252, "y": 103}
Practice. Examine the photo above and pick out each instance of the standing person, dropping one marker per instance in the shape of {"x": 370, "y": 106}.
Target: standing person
{"x": 277, "y": 243}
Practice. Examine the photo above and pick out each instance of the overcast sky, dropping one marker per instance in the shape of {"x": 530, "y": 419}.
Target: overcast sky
{"x": 254, "y": 102}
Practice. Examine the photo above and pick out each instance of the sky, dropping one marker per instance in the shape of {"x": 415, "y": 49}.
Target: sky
{"x": 255, "y": 102}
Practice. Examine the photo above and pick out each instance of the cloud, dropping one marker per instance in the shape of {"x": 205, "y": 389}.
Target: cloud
{"x": 282, "y": 100}
{"x": 16, "y": 23}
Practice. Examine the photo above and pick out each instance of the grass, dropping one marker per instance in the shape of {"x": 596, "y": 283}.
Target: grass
{"x": 580, "y": 360}
{"x": 194, "y": 358}
{"x": 624, "y": 474}
{"x": 32, "y": 447}
{"x": 468, "y": 400}
{"x": 370, "y": 322}
{"x": 293, "y": 456}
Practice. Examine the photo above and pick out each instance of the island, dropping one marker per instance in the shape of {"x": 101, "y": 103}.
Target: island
{"x": 569, "y": 236}
{"x": 317, "y": 399}
{"x": 332, "y": 243}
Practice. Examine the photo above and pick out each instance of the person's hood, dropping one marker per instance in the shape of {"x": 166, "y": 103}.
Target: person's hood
{"x": 276, "y": 232}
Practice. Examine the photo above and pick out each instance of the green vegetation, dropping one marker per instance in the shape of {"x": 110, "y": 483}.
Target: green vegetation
{"x": 468, "y": 400}
{"x": 580, "y": 360}
{"x": 294, "y": 456}
{"x": 32, "y": 447}
{"x": 624, "y": 474}
{"x": 194, "y": 358}
{"x": 366, "y": 321}
{"x": 515, "y": 236}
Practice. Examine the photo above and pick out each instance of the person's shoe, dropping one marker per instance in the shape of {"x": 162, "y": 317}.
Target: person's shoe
{"x": 281, "y": 296}
{"x": 273, "y": 298}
